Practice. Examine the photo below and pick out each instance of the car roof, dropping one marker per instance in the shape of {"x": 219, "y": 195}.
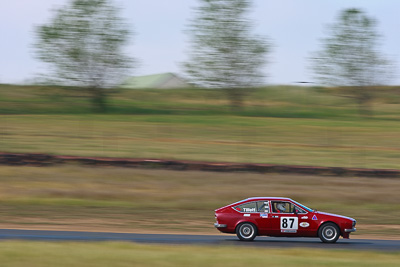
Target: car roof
{"x": 269, "y": 198}
{"x": 263, "y": 198}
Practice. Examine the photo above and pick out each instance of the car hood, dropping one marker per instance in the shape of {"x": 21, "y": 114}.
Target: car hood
{"x": 334, "y": 215}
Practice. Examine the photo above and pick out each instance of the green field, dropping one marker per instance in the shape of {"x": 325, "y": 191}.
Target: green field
{"x": 272, "y": 101}
{"x": 21, "y": 254}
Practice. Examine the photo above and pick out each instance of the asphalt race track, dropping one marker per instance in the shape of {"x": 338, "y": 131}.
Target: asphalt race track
{"x": 231, "y": 240}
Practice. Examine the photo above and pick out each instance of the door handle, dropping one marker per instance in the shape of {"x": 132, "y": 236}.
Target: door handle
{"x": 275, "y": 216}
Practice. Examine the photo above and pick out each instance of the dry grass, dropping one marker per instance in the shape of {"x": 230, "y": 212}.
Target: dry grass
{"x": 122, "y": 199}
{"x": 362, "y": 144}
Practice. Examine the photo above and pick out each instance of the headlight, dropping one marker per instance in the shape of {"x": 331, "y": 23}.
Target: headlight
{"x": 354, "y": 223}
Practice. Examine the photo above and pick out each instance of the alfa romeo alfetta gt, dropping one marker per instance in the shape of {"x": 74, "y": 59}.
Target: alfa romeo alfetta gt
{"x": 281, "y": 217}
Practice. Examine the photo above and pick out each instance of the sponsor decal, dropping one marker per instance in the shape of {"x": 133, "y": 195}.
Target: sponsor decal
{"x": 314, "y": 217}
{"x": 304, "y": 217}
{"x": 288, "y": 231}
{"x": 246, "y": 215}
{"x": 264, "y": 215}
{"x": 304, "y": 224}
{"x": 249, "y": 209}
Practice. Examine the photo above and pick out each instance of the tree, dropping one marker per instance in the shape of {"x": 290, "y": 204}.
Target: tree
{"x": 224, "y": 53}
{"x": 83, "y": 44}
{"x": 350, "y": 58}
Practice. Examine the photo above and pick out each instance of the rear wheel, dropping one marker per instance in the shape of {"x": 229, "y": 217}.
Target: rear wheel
{"x": 329, "y": 233}
{"x": 246, "y": 231}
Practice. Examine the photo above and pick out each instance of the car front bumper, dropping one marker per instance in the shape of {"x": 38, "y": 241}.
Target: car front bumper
{"x": 350, "y": 230}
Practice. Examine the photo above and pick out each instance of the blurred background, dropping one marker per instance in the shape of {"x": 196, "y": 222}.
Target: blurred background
{"x": 309, "y": 83}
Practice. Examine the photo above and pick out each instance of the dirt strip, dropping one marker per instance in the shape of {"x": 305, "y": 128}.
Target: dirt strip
{"x": 15, "y": 159}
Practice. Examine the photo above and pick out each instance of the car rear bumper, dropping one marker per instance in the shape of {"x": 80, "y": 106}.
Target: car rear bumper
{"x": 218, "y": 225}
{"x": 350, "y": 230}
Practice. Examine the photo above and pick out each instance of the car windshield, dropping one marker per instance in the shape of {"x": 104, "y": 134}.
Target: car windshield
{"x": 304, "y": 207}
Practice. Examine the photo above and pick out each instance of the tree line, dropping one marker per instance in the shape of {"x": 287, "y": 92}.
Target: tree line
{"x": 83, "y": 45}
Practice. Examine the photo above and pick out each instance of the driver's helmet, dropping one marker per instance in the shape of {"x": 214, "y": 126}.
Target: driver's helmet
{"x": 281, "y": 207}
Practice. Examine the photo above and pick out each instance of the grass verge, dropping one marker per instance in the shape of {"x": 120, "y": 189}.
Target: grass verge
{"x": 42, "y": 254}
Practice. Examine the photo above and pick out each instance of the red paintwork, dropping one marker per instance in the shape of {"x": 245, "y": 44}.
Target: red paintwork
{"x": 270, "y": 226}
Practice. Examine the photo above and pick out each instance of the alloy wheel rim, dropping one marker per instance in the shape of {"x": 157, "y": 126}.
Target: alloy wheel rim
{"x": 329, "y": 233}
{"x": 247, "y": 231}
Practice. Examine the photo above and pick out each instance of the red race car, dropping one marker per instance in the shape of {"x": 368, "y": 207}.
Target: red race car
{"x": 284, "y": 217}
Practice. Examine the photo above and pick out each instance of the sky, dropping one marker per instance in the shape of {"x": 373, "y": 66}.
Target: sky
{"x": 160, "y": 44}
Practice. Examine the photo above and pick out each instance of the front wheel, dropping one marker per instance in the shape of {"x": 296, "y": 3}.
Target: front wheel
{"x": 246, "y": 231}
{"x": 328, "y": 233}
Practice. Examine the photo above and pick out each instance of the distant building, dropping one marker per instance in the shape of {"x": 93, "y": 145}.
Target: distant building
{"x": 155, "y": 81}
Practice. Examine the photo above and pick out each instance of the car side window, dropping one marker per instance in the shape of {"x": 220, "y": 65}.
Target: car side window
{"x": 285, "y": 207}
{"x": 263, "y": 206}
{"x": 299, "y": 210}
{"x": 282, "y": 207}
{"x": 250, "y": 207}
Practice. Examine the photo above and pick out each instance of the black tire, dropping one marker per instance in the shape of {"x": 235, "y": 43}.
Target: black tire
{"x": 329, "y": 233}
{"x": 246, "y": 231}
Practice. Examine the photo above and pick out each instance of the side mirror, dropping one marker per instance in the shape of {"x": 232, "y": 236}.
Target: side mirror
{"x": 295, "y": 211}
